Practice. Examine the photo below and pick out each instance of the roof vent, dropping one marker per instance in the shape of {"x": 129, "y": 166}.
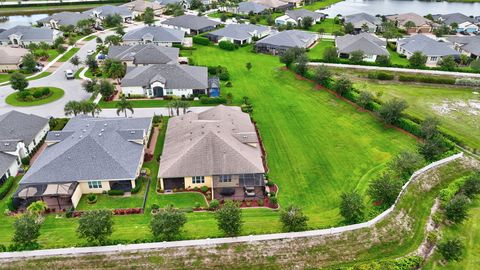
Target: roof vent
{"x": 245, "y": 136}
{"x": 132, "y": 132}
{"x": 7, "y": 144}
{"x": 57, "y": 134}
{"x": 102, "y": 130}
{"x": 80, "y": 136}
{"x": 99, "y": 134}
{"x": 105, "y": 124}
{"x": 84, "y": 130}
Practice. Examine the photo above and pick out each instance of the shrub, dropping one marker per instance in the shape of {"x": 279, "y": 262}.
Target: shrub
{"x": 247, "y": 108}
{"x": 270, "y": 184}
{"x": 201, "y": 40}
{"x": 260, "y": 202}
{"x": 456, "y": 209}
{"x": 293, "y": 219}
{"x": 197, "y": 205}
{"x": 155, "y": 206}
{"x": 229, "y": 219}
{"x": 27, "y": 230}
{"x": 10, "y": 205}
{"x": 91, "y": 198}
{"x": 352, "y": 207}
{"x": 115, "y": 192}
{"x": 209, "y": 100}
{"x": 409, "y": 126}
{"x": 451, "y": 249}
{"x": 381, "y": 76}
{"x": 26, "y": 161}
{"x": 166, "y": 225}
{"x": 138, "y": 186}
{"x": 37, "y": 94}
{"x": 471, "y": 187}
{"x": 204, "y": 189}
{"x": 385, "y": 189}
{"x": 69, "y": 212}
{"x": 227, "y": 45}
{"x": 46, "y": 91}
{"x": 5, "y": 188}
{"x": 96, "y": 225}
{"x": 228, "y": 84}
{"x": 214, "y": 204}
{"x": 273, "y": 201}
{"x": 391, "y": 110}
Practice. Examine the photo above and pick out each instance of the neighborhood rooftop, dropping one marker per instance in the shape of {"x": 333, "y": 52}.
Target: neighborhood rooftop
{"x": 247, "y": 7}
{"x": 18, "y": 126}
{"x": 144, "y": 54}
{"x": 65, "y": 18}
{"x": 470, "y": 44}
{"x": 297, "y": 14}
{"x": 360, "y": 18}
{"x": 239, "y": 31}
{"x": 426, "y": 45}
{"x": 11, "y": 56}
{"x": 155, "y": 34}
{"x": 190, "y": 22}
{"x": 365, "y": 42}
{"x": 106, "y": 10}
{"x": 28, "y": 33}
{"x": 457, "y": 18}
{"x": 289, "y": 38}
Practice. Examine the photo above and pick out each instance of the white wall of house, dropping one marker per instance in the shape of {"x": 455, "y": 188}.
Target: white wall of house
{"x": 432, "y": 60}
{"x": 136, "y": 42}
{"x": 283, "y": 20}
{"x": 138, "y": 90}
{"x": 76, "y": 196}
{"x": 12, "y": 170}
{"x": 38, "y": 137}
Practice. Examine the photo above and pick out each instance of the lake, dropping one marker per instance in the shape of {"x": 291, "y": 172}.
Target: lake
{"x": 388, "y": 7}
{"x": 21, "y": 20}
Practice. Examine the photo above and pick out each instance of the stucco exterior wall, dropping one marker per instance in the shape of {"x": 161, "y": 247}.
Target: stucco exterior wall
{"x": 38, "y": 137}
{"x": 86, "y": 190}
{"x": 208, "y": 182}
{"x": 76, "y": 196}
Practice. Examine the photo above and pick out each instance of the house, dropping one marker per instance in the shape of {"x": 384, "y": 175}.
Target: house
{"x": 363, "y": 22}
{"x": 434, "y": 50}
{"x": 143, "y": 54}
{"x": 217, "y": 148}
{"x": 20, "y": 133}
{"x": 239, "y": 33}
{"x": 293, "y": 3}
{"x": 246, "y": 8}
{"x": 185, "y": 4}
{"x": 154, "y": 34}
{"x": 23, "y": 35}
{"x": 274, "y": 5}
{"x": 467, "y": 27}
{"x": 104, "y": 11}
{"x": 296, "y": 16}
{"x": 449, "y": 19}
{"x": 157, "y": 81}
{"x": 280, "y": 42}
{"x": 467, "y": 45}
{"x": 90, "y": 155}
{"x": 191, "y": 24}
{"x": 10, "y": 58}
{"x": 369, "y": 44}
{"x": 422, "y": 25}
{"x": 138, "y": 7}
{"x": 64, "y": 18}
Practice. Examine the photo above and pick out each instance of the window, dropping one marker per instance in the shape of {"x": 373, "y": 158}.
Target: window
{"x": 198, "y": 179}
{"x": 94, "y": 184}
{"x": 433, "y": 58}
{"x": 225, "y": 178}
{"x": 169, "y": 91}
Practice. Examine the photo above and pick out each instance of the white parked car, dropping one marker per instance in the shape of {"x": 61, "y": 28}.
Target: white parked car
{"x": 90, "y": 52}
{"x": 69, "y": 74}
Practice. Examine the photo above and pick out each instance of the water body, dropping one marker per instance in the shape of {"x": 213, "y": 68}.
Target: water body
{"x": 388, "y": 7}
{"x": 21, "y": 20}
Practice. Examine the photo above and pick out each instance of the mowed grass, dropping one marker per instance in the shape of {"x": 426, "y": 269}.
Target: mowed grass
{"x": 179, "y": 200}
{"x": 320, "y": 4}
{"x": 68, "y": 55}
{"x": 455, "y": 107}
{"x": 328, "y": 25}
{"x": 316, "y": 53}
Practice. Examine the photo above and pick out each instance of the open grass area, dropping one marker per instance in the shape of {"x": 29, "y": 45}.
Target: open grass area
{"x": 320, "y": 4}
{"x": 39, "y": 76}
{"x": 396, "y": 59}
{"x": 179, "y": 200}
{"x": 457, "y": 108}
{"x": 20, "y": 10}
{"x": 68, "y": 55}
{"x": 317, "y": 51}
{"x": 52, "y": 54}
{"x": 5, "y": 77}
{"x": 91, "y": 37}
{"x": 56, "y": 93}
{"x": 328, "y": 25}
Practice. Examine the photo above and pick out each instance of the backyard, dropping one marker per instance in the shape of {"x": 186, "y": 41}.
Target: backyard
{"x": 316, "y": 53}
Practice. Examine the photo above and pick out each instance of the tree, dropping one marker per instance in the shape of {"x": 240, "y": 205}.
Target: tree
{"x": 149, "y": 16}
{"x": 72, "y": 107}
{"x": 114, "y": 68}
{"x": 290, "y": 55}
{"x": 91, "y": 107}
{"x": 392, "y": 110}
{"x": 123, "y": 106}
{"x": 37, "y": 208}
{"x": 320, "y": 32}
{"x": 417, "y": 60}
{"x": 113, "y": 40}
{"x": 58, "y": 42}
{"x": 356, "y": 57}
{"x": 352, "y": 207}
{"x": 456, "y": 209}
{"x": 429, "y": 127}
{"x": 433, "y": 147}
{"x": 385, "y": 189}
{"x": 90, "y": 86}
{"x": 451, "y": 249}
{"x": 119, "y": 30}
{"x": 389, "y": 30}
{"x": 406, "y": 163}
{"x": 29, "y": 63}
{"x": 75, "y": 61}
{"x": 383, "y": 60}
{"x": 184, "y": 105}
{"x": 112, "y": 20}
{"x": 301, "y": 64}
{"x": 106, "y": 88}
{"x": 91, "y": 63}
{"x": 195, "y": 4}
{"x": 18, "y": 81}
{"x": 229, "y": 218}
{"x": 342, "y": 86}
{"x": 166, "y": 224}
{"x": 293, "y": 219}
{"x": 454, "y": 26}
{"x": 95, "y": 225}
{"x": 99, "y": 40}
{"x": 471, "y": 187}
{"x": 27, "y": 230}
{"x": 475, "y": 65}
{"x": 409, "y": 25}
{"x": 448, "y": 63}
{"x": 322, "y": 75}
{"x": 85, "y": 25}
{"x": 365, "y": 27}
{"x": 223, "y": 17}
{"x": 248, "y": 66}
{"x": 330, "y": 55}
{"x": 307, "y": 22}
{"x": 365, "y": 98}
{"x": 349, "y": 28}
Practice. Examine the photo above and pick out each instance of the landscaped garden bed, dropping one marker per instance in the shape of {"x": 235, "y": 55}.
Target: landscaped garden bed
{"x": 34, "y": 96}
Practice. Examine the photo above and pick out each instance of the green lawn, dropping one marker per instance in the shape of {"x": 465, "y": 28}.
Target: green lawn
{"x": 321, "y": 4}
{"x": 68, "y": 55}
{"x": 56, "y": 93}
{"x": 52, "y": 54}
{"x": 328, "y": 25}
{"x": 39, "y": 76}
{"x": 4, "y": 77}
{"x": 396, "y": 59}
{"x": 90, "y": 38}
{"x": 21, "y": 10}
{"x": 455, "y": 107}
{"x": 317, "y": 51}
{"x": 179, "y": 200}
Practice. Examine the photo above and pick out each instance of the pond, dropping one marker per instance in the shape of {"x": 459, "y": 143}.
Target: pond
{"x": 20, "y": 20}
{"x": 388, "y": 7}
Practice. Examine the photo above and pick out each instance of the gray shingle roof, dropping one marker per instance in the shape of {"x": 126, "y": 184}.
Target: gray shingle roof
{"x": 159, "y": 34}
{"x": 448, "y": 19}
{"x": 239, "y": 31}
{"x": 166, "y": 2}
{"x": 144, "y": 54}
{"x": 66, "y": 18}
{"x": 270, "y": 3}
{"x": 173, "y": 76}
{"x": 289, "y": 38}
{"x": 6, "y": 160}
{"x": 214, "y": 142}
{"x": 471, "y": 44}
{"x": 360, "y": 18}
{"x": 96, "y": 150}
{"x": 365, "y": 42}
{"x": 106, "y": 10}
{"x": 302, "y": 13}
{"x": 191, "y": 22}
{"x": 426, "y": 45}
{"x": 247, "y": 7}
{"x": 29, "y": 33}
{"x": 17, "y": 126}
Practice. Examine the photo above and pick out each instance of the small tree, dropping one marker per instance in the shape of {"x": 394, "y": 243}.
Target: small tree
{"x": 301, "y": 64}
{"x": 229, "y": 218}
{"x": 90, "y": 86}
{"x": 106, "y": 88}
{"x": 114, "y": 68}
{"x": 123, "y": 106}
{"x": 322, "y": 75}
{"x": 429, "y": 127}
{"x": 91, "y": 63}
{"x": 365, "y": 27}
{"x": 223, "y": 17}
{"x": 37, "y": 208}
{"x": 330, "y": 55}
{"x": 417, "y": 60}
{"x": 248, "y": 66}
{"x": 27, "y": 230}
{"x": 409, "y": 25}
{"x": 18, "y": 81}
{"x": 389, "y": 30}
{"x": 166, "y": 224}
{"x": 383, "y": 60}
{"x": 113, "y": 40}
{"x": 119, "y": 30}
{"x": 456, "y": 209}
{"x": 307, "y": 22}
{"x": 352, "y": 207}
{"x": 433, "y": 147}
{"x": 365, "y": 98}
{"x": 356, "y": 57}
{"x": 29, "y": 63}
{"x": 112, "y": 20}
{"x": 349, "y": 28}
{"x": 75, "y": 60}
{"x": 72, "y": 108}
{"x": 451, "y": 249}
{"x": 342, "y": 86}
{"x": 392, "y": 110}
{"x": 448, "y": 63}
{"x": 471, "y": 187}
{"x": 405, "y": 164}
{"x": 385, "y": 189}
{"x": 290, "y": 55}
{"x": 95, "y": 225}
{"x": 149, "y": 16}
{"x": 293, "y": 219}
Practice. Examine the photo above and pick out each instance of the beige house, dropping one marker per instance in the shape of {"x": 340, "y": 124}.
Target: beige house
{"x": 422, "y": 25}
{"x": 138, "y": 7}
{"x": 10, "y": 58}
{"x": 218, "y": 148}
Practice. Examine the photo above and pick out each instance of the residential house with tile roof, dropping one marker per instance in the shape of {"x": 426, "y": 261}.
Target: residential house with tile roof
{"x": 108, "y": 10}
{"x": 191, "y": 24}
{"x": 239, "y": 33}
{"x": 467, "y": 45}
{"x": 154, "y": 34}
{"x": 64, "y": 18}
{"x": 296, "y": 16}
{"x": 422, "y": 25}
{"x": 363, "y": 22}
{"x": 10, "y": 58}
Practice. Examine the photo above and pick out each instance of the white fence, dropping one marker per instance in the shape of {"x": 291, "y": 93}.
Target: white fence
{"x": 216, "y": 241}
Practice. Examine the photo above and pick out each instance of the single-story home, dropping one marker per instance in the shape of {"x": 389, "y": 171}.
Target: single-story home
{"x": 467, "y": 27}
{"x": 239, "y": 33}
{"x": 433, "y": 49}
{"x": 296, "y": 16}
{"x": 185, "y": 4}
{"x": 64, "y": 18}
{"x": 191, "y": 24}
{"x": 246, "y": 8}
{"x": 143, "y": 54}
{"x": 10, "y": 58}
{"x": 157, "y": 81}
{"x": 274, "y": 5}
{"x": 103, "y": 11}
{"x": 370, "y": 45}
{"x": 449, "y": 19}
{"x": 23, "y": 35}
{"x": 218, "y": 148}
{"x": 154, "y": 34}
{"x": 467, "y": 45}
{"x": 20, "y": 133}
{"x": 90, "y": 155}
{"x": 422, "y": 25}
{"x": 280, "y": 42}
{"x": 363, "y": 22}
{"x": 138, "y": 7}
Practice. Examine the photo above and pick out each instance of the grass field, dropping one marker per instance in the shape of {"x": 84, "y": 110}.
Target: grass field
{"x": 457, "y": 108}
{"x": 56, "y": 93}
{"x": 321, "y": 4}
{"x": 146, "y": 103}
{"x": 317, "y": 51}
{"x": 49, "y": 8}
{"x": 396, "y": 59}
{"x": 4, "y": 77}
{"x": 68, "y": 55}
{"x": 328, "y": 25}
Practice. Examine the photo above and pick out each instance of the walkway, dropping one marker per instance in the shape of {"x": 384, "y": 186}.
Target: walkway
{"x": 404, "y": 70}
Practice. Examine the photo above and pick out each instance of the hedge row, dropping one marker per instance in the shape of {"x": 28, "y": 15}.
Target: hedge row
{"x": 201, "y": 40}
{"x": 217, "y": 100}
{"x": 426, "y": 79}
{"x": 138, "y": 185}
{"x": 6, "y": 186}
{"x": 115, "y": 192}
{"x": 453, "y": 188}
{"x": 227, "y": 45}
{"x": 378, "y": 75}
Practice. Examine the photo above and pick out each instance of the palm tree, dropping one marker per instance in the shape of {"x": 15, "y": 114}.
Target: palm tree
{"x": 96, "y": 109}
{"x": 123, "y": 105}
{"x": 88, "y": 106}
{"x": 184, "y": 105}
{"x": 72, "y": 107}
{"x": 170, "y": 109}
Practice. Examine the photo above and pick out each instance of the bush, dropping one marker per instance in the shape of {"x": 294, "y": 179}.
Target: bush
{"x": 204, "y": 189}
{"x": 214, "y": 204}
{"x": 384, "y": 76}
{"x": 115, "y": 192}
{"x": 260, "y": 202}
{"x": 426, "y": 79}
{"x": 26, "y": 161}
{"x": 155, "y": 206}
{"x": 228, "y": 84}
{"x": 138, "y": 186}
{"x": 91, "y": 198}
{"x": 451, "y": 249}
{"x": 409, "y": 126}
{"x": 5, "y": 188}
{"x": 209, "y": 100}
{"x": 293, "y": 219}
{"x": 69, "y": 212}
{"x": 37, "y": 94}
{"x": 227, "y": 45}
{"x": 273, "y": 201}
{"x": 201, "y": 40}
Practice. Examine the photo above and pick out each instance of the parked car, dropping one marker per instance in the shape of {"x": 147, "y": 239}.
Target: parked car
{"x": 101, "y": 56}
{"x": 37, "y": 68}
{"x": 90, "y": 52}
{"x": 98, "y": 27}
{"x": 69, "y": 74}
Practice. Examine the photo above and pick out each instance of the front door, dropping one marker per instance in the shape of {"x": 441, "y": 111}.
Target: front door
{"x": 158, "y": 91}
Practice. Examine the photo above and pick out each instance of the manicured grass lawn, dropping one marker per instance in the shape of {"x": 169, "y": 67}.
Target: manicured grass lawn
{"x": 317, "y": 51}
{"x": 4, "y": 77}
{"x": 56, "y": 93}
{"x": 396, "y": 59}
{"x": 52, "y": 54}
{"x": 77, "y": 73}
{"x": 90, "y": 38}
{"x": 328, "y": 25}
{"x": 147, "y": 103}
{"x": 68, "y": 55}
{"x": 455, "y": 107}
{"x": 49, "y": 8}
{"x": 39, "y": 76}
{"x": 321, "y": 4}
{"x": 179, "y": 200}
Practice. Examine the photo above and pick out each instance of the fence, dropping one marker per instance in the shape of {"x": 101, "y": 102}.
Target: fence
{"x": 216, "y": 241}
